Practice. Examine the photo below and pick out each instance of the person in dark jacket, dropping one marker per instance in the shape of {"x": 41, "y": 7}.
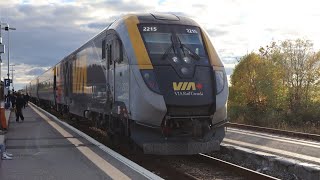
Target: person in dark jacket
{"x": 19, "y": 105}
{"x": 7, "y": 100}
{"x": 26, "y": 99}
{"x": 13, "y": 99}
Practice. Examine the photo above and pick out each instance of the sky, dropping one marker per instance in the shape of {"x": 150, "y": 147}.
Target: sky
{"x": 48, "y": 30}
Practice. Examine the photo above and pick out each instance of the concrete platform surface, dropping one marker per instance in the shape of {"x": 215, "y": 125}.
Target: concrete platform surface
{"x": 47, "y": 149}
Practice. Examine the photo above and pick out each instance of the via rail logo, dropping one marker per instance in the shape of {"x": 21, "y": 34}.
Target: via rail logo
{"x": 187, "y": 89}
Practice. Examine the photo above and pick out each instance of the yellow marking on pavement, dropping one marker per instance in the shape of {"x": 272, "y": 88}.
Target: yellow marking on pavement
{"x": 106, "y": 167}
{"x": 286, "y": 140}
{"x": 272, "y": 150}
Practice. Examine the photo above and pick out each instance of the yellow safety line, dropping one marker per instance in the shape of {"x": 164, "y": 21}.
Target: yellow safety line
{"x": 106, "y": 167}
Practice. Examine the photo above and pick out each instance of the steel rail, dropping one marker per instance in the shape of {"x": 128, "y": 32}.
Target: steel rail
{"x": 275, "y": 131}
{"x": 245, "y": 172}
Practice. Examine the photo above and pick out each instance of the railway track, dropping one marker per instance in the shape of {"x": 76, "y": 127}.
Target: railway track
{"x": 193, "y": 167}
{"x": 276, "y": 131}
{"x": 244, "y": 172}
{"x": 181, "y": 167}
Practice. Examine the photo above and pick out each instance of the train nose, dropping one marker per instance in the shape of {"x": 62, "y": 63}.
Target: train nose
{"x": 187, "y": 96}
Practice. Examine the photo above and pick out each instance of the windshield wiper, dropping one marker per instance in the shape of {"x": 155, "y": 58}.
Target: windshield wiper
{"x": 191, "y": 53}
{"x": 166, "y": 53}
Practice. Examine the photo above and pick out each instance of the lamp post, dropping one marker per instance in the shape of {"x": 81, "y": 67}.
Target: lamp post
{"x": 12, "y": 75}
{"x": 7, "y": 28}
{"x": 2, "y": 50}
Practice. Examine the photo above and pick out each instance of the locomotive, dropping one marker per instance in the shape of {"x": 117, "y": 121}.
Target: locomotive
{"x": 153, "y": 78}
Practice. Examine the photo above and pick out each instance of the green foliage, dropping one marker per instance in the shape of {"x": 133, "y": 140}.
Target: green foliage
{"x": 280, "y": 84}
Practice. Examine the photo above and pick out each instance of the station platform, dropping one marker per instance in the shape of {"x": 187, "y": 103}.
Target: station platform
{"x": 304, "y": 150}
{"x": 46, "y": 148}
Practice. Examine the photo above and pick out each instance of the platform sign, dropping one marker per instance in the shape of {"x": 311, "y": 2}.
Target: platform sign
{"x": 6, "y": 82}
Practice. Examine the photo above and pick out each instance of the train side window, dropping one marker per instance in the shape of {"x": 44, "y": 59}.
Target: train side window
{"x": 117, "y": 50}
{"x": 110, "y": 52}
{"x": 108, "y": 56}
{"x": 103, "y": 55}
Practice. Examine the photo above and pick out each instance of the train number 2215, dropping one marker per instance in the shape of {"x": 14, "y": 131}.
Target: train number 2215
{"x": 150, "y": 28}
{"x": 192, "y": 31}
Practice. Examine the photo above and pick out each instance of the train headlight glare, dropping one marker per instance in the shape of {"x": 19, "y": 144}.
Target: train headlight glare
{"x": 150, "y": 80}
{"x": 146, "y": 76}
{"x": 175, "y": 59}
{"x": 187, "y": 60}
{"x": 219, "y": 81}
{"x": 185, "y": 70}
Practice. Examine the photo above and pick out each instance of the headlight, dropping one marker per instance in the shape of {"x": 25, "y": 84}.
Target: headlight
{"x": 150, "y": 79}
{"x": 219, "y": 81}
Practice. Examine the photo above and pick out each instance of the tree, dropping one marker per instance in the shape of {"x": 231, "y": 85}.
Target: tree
{"x": 254, "y": 84}
{"x": 282, "y": 79}
{"x": 300, "y": 67}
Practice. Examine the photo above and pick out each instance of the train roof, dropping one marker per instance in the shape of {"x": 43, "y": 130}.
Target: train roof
{"x": 155, "y": 18}
{"x": 151, "y": 18}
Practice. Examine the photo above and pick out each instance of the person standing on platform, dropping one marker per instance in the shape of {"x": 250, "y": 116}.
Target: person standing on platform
{"x": 4, "y": 154}
{"x": 8, "y": 100}
{"x": 13, "y": 99}
{"x": 19, "y": 105}
{"x": 26, "y": 99}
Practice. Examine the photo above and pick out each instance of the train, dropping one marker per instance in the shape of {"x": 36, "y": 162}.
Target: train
{"x": 153, "y": 78}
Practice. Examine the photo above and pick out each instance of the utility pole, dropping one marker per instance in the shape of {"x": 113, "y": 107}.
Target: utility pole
{"x": 7, "y": 28}
{"x": 12, "y": 75}
{"x": 2, "y": 50}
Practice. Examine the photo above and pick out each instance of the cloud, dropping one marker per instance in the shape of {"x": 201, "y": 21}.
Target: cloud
{"x": 124, "y": 6}
{"x": 23, "y": 73}
{"x": 98, "y": 25}
{"x": 217, "y": 32}
{"x": 47, "y": 31}
{"x": 35, "y": 71}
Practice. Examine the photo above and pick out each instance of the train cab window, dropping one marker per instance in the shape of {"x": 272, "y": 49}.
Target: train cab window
{"x": 193, "y": 42}
{"x": 117, "y": 51}
{"x": 177, "y": 43}
{"x": 158, "y": 42}
{"x": 114, "y": 52}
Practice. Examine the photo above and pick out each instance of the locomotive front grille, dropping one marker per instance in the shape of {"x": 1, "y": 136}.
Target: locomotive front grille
{"x": 190, "y": 111}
